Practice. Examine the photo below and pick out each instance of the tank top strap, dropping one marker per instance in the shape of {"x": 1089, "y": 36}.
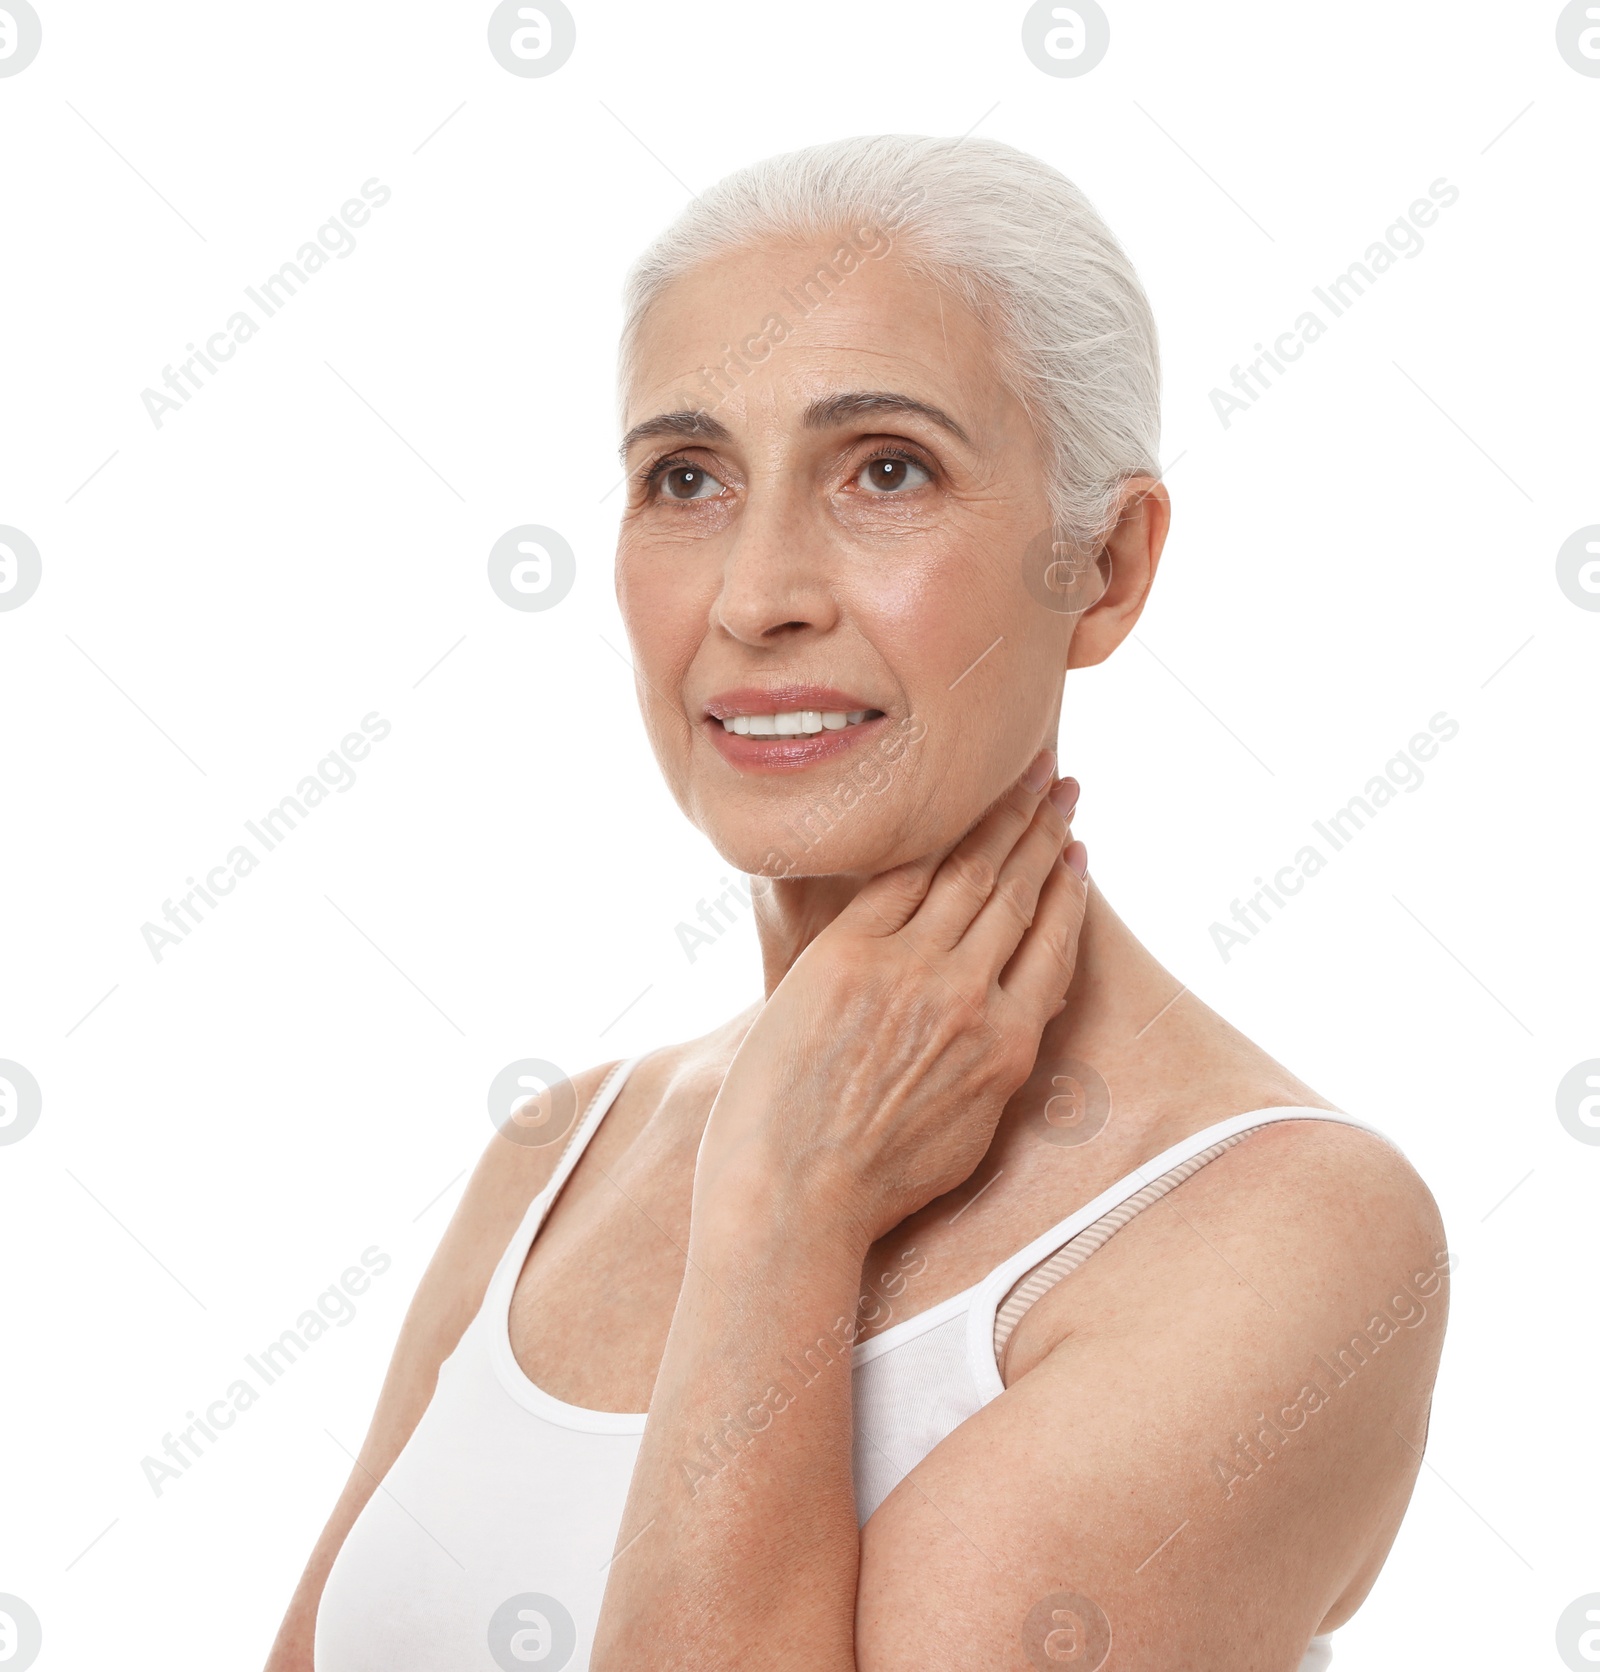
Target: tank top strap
{"x": 491, "y": 1314}
{"x": 588, "y": 1123}
{"x": 605, "y": 1095}
{"x": 1147, "y": 1182}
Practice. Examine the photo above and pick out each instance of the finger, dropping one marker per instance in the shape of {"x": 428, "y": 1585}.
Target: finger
{"x": 1064, "y": 793}
{"x": 886, "y": 903}
{"x": 967, "y": 876}
{"x": 1041, "y": 969}
{"x": 997, "y": 930}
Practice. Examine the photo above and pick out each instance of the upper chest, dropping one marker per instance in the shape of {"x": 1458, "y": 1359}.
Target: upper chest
{"x": 594, "y": 1301}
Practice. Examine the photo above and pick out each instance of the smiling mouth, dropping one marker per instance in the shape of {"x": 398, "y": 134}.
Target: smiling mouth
{"x": 797, "y": 722}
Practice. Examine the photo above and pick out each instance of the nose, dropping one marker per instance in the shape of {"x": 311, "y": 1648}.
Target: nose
{"x": 777, "y": 573}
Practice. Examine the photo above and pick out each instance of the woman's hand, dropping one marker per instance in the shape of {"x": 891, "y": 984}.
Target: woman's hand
{"x": 874, "y": 1077}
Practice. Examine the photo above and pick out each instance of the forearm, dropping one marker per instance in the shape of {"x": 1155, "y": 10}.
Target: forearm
{"x": 870, "y": 1084}
{"x": 292, "y": 1648}
{"x": 739, "y": 1544}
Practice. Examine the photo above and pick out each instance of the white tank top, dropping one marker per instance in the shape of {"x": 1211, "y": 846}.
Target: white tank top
{"x": 489, "y": 1539}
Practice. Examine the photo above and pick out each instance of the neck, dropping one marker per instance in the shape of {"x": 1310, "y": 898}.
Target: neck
{"x": 1117, "y": 990}
{"x": 1169, "y": 1062}
{"x": 790, "y": 913}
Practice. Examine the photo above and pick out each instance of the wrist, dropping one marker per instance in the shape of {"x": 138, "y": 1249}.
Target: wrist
{"x": 771, "y": 1290}
{"x": 746, "y": 1209}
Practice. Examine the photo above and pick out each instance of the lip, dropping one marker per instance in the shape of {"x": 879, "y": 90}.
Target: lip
{"x": 785, "y": 754}
{"x": 768, "y": 699}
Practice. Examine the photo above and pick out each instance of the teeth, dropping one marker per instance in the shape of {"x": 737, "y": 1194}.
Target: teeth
{"x": 795, "y": 722}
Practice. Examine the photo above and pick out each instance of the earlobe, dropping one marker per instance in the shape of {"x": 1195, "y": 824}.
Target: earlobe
{"x": 1107, "y": 621}
{"x": 1128, "y": 560}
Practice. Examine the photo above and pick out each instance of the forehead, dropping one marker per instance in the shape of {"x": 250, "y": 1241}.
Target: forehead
{"x": 778, "y": 327}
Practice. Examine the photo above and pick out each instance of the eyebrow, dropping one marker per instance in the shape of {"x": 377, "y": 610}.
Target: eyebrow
{"x": 822, "y": 414}
{"x": 831, "y": 410}
{"x": 695, "y": 423}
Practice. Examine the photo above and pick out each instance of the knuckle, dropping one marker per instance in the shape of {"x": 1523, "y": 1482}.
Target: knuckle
{"x": 895, "y": 893}
{"x": 973, "y": 873}
{"x": 965, "y": 995}
{"x": 913, "y": 877}
{"x": 966, "y": 1001}
{"x": 906, "y": 884}
{"x": 1015, "y": 895}
{"x": 1013, "y": 1060}
{"x": 1059, "y": 931}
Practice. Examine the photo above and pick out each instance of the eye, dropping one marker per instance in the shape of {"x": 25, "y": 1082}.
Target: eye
{"x": 890, "y": 473}
{"x": 682, "y": 481}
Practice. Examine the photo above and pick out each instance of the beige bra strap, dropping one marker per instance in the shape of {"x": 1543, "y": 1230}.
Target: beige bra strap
{"x": 1044, "y": 1276}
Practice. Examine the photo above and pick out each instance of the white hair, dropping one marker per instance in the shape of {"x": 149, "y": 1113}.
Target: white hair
{"x": 1008, "y": 234}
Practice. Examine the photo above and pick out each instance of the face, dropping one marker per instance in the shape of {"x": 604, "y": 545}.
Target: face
{"x": 821, "y": 563}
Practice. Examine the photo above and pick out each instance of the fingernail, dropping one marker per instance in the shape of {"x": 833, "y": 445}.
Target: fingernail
{"x": 1077, "y": 859}
{"x": 1065, "y": 796}
{"x": 1038, "y": 774}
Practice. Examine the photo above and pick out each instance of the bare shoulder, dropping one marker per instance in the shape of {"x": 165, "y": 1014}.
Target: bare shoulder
{"x": 1332, "y": 1198}
{"x": 510, "y": 1173}
{"x": 505, "y": 1180}
{"x": 1216, "y": 1437}
{"x": 508, "y": 1176}
{"x": 1300, "y": 1217}
{"x": 1303, "y": 1227}
{"x": 682, "y": 1075}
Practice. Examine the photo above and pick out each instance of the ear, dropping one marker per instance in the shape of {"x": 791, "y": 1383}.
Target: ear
{"x": 1127, "y": 563}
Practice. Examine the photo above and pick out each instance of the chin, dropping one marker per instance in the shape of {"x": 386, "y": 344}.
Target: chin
{"x": 778, "y": 853}
{"x": 777, "y": 847}
{"x": 848, "y": 818}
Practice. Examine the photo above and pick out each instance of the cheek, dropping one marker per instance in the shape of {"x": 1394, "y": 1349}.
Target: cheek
{"x": 661, "y": 608}
{"x": 980, "y": 662}
{"x": 916, "y": 607}
{"x": 934, "y": 614}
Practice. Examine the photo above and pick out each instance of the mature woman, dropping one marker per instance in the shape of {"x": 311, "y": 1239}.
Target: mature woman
{"x": 979, "y": 1298}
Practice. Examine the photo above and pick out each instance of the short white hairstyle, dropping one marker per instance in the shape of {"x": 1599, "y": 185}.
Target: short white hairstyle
{"x": 1015, "y": 239}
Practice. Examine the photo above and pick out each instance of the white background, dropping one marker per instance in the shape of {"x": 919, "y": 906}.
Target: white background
{"x": 224, "y": 597}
